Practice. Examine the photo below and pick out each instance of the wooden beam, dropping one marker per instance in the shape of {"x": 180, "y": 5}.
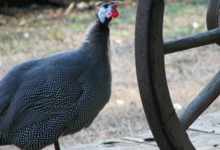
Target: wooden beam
{"x": 201, "y": 102}
{"x": 196, "y": 40}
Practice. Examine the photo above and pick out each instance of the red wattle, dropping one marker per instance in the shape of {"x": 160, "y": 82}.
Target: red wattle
{"x": 115, "y": 13}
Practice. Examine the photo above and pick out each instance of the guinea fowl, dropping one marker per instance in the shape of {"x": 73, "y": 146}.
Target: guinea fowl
{"x": 44, "y": 99}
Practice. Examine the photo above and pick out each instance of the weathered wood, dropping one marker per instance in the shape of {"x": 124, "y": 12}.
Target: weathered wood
{"x": 201, "y": 102}
{"x": 149, "y": 53}
{"x": 212, "y": 15}
{"x": 208, "y": 123}
{"x": 142, "y": 58}
{"x": 201, "y": 140}
{"x": 196, "y": 40}
{"x": 135, "y": 139}
{"x": 117, "y": 145}
{"x": 175, "y": 132}
{"x": 204, "y": 141}
{"x": 201, "y": 134}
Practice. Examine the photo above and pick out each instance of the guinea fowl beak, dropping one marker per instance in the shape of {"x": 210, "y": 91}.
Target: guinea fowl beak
{"x": 115, "y": 4}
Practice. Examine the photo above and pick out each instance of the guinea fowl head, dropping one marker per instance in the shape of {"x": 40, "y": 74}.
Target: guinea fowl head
{"x": 107, "y": 11}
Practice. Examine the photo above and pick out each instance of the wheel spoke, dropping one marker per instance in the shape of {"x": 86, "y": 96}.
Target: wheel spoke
{"x": 196, "y": 40}
{"x": 201, "y": 102}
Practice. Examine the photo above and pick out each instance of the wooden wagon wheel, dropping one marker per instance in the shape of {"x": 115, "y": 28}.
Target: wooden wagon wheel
{"x": 169, "y": 131}
{"x": 213, "y": 15}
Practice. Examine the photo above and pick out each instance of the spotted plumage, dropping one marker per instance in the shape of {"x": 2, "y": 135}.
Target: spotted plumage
{"x": 44, "y": 99}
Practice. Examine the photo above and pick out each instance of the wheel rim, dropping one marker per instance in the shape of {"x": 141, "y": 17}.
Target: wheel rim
{"x": 149, "y": 54}
{"x": 213, "y": 15}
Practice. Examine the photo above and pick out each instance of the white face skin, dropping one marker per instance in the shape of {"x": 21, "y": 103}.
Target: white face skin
{"x": 103, "y": 11}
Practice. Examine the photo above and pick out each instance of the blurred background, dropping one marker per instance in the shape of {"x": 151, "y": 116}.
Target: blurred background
{"x": 38, "y": 28}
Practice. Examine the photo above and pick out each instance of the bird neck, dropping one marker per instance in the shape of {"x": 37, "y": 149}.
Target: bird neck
{"x": 97, "y": 42}
{"x": 106, "y": 22}
{"x": 98, "y": 31}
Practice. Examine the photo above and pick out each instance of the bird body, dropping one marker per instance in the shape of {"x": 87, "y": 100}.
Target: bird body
{"x": 43, "y": 99}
